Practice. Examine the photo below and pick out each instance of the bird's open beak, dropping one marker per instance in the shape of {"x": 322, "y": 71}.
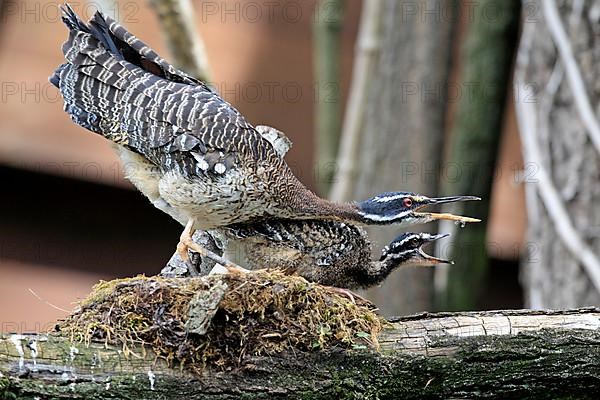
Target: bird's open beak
{"x": 428, "y": 216}
{"x": 446, "y": 216}
{"x": 427, "y": 259}
{"x": 452, "y": 199}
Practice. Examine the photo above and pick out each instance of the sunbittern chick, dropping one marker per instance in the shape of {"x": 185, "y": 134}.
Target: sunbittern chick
{"x": 206, "y": 163}
{"x": 331, "y": 253}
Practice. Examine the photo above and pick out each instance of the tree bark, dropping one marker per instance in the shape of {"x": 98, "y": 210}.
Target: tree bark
{"x": 497, "y": 354}
{"x": 404, "y": 124}
{"x": 557, "y": 105}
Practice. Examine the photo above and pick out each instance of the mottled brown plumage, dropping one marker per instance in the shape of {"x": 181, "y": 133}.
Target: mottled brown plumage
{"x": 213, "y": 166}
{"x": 331, "y": 253}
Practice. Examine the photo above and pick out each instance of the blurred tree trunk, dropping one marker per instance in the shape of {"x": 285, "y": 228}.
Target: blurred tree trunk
{"x": 327, "y": 28}
{"x": 186, "y": 46}
{"x": 404, "y": 126}
{"x": 487, "y": 59}
{"x": 366, "y": 56}
{"x": 558, "y": 119}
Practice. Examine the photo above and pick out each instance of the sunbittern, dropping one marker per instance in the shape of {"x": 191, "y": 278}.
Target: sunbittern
{"x": 331, "y": 253}
{"x": 192, "y": 152}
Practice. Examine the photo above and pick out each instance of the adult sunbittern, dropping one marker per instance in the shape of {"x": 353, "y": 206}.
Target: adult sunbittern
{"x": 193, "y": 152}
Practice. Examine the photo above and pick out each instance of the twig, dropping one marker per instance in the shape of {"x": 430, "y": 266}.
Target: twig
{"x": 47, "y": 302}
{"x": 574, "y": 78}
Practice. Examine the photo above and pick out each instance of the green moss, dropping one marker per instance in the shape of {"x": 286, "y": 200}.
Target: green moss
{"x": 7, "y": 392}
{"x": 264, "y": 312}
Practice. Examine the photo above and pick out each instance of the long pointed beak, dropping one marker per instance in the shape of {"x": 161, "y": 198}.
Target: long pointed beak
{"x": 446, "y": 216}
{"x": 438, "y": 236}
{"x": 428, "y": 260}
{"x": 451, "y": 217}
{"x": 451, "y": 199}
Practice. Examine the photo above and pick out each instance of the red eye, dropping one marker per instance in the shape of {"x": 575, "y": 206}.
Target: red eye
{"x": 408, "y": 202}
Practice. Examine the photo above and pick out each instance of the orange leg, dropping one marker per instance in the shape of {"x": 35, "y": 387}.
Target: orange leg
{"x": 186, "y": 243}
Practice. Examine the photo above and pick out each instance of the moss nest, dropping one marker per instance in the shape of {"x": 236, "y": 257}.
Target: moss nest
{"x": 221, "y": 319}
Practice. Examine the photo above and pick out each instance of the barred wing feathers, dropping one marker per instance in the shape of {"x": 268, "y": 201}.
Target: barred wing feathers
{"x": 115, "y": 85}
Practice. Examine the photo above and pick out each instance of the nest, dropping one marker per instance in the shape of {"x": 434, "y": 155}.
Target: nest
{"x": 222, "y": 319}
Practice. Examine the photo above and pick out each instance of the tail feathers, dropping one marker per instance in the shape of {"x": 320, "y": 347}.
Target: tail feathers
{"x": 98, "y": 29}
{"x": 122, "y": 45}
{"x": 138, "y": 53}
{"x": 120, "y": 108}
{"x": 72, "y": 20}
{"x": 101, "y": 31}
{"x": 115, "y": 85}
{"x": 55, "y": 77}
{"x": 105, "y": 51}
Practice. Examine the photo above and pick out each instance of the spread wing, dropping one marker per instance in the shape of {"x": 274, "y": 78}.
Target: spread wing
{"x": 115, "y": 85}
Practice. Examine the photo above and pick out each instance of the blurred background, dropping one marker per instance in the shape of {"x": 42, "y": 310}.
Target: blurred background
{"x": 491, "y": 98}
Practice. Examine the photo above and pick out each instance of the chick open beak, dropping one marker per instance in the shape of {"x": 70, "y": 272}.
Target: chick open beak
{"x": 440, "y": 216}
{"x": 429, "y": 259}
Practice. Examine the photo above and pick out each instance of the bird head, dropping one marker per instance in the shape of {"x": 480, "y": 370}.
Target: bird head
{"x": 404, "y": 208}
{"x": 408, "y": 249}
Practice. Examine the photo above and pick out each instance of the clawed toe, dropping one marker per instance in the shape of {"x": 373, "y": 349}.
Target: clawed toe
{"x": 186, "y": 243}
{"x": 183, "y": 251}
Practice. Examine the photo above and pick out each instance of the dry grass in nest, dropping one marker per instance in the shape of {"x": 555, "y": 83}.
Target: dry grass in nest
{"x": 263, "y": 312}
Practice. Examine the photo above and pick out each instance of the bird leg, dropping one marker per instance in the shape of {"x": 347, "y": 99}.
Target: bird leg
{"x": 186, "y": 243}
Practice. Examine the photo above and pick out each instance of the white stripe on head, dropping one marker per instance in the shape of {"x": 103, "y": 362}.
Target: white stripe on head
{"x": 382, "y": 218}
{"x": 405, "y": 240}
{"x": 397, "y": 254}
{"x": 390, "y": 218}
{"x": 386, "y": 199}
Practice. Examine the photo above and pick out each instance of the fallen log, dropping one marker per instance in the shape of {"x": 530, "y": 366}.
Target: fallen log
{"x": 493, "y": 354}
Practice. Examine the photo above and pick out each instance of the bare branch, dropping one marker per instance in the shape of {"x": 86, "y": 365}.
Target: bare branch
{"x": 527, "y": 119}
{"x": 574, "y": 78}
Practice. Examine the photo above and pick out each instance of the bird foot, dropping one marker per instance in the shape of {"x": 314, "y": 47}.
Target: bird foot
{"x": 186, "y": 243}
{"x": 218, "y": 269}
{"x": 183, "y": 251}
